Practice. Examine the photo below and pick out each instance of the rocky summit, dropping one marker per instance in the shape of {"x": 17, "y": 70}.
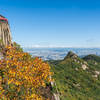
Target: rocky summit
{"x": 70, "y": 55}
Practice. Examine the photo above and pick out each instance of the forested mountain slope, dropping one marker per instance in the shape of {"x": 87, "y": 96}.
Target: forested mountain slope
{"x": 76, "y": 78}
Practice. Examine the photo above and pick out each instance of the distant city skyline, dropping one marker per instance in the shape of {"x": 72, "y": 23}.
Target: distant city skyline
{"x": 53, "y": 23}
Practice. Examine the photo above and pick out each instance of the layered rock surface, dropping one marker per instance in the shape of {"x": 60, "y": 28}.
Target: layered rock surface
{"x": 5, "y": 34}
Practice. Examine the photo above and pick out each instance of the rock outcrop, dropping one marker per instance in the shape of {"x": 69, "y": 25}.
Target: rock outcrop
{"x": 5, "y": 34}
{"x": 70, "y": 55}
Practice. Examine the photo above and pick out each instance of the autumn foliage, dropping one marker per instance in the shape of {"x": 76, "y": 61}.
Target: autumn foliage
{"x": 21, "y": 76}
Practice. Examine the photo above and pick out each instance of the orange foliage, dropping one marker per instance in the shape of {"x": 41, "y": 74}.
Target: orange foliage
{"x": 21, "y": 76}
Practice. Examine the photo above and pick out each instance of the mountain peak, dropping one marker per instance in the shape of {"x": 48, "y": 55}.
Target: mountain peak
{"x": 70, "y": 55}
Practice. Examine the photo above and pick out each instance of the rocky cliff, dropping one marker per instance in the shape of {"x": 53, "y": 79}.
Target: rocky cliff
{"x": 5, "y": 34}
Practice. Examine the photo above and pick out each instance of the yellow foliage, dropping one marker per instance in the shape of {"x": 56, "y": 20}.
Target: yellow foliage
{"x": 22, "y": 75}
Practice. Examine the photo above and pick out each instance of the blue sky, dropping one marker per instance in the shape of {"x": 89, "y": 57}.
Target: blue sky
{"x": 57, "y": 23}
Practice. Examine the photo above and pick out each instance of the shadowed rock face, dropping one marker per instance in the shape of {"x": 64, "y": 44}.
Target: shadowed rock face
{"x": 5, "y": 34}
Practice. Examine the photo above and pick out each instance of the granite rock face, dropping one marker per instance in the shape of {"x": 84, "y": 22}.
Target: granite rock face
{"x": 71, "y": 55}
{"x": 5, "y": 34}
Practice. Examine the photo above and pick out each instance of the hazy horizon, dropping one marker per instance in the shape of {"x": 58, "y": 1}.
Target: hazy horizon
{"x": 39, "y": 46}
{"x": 60, "y": 53}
